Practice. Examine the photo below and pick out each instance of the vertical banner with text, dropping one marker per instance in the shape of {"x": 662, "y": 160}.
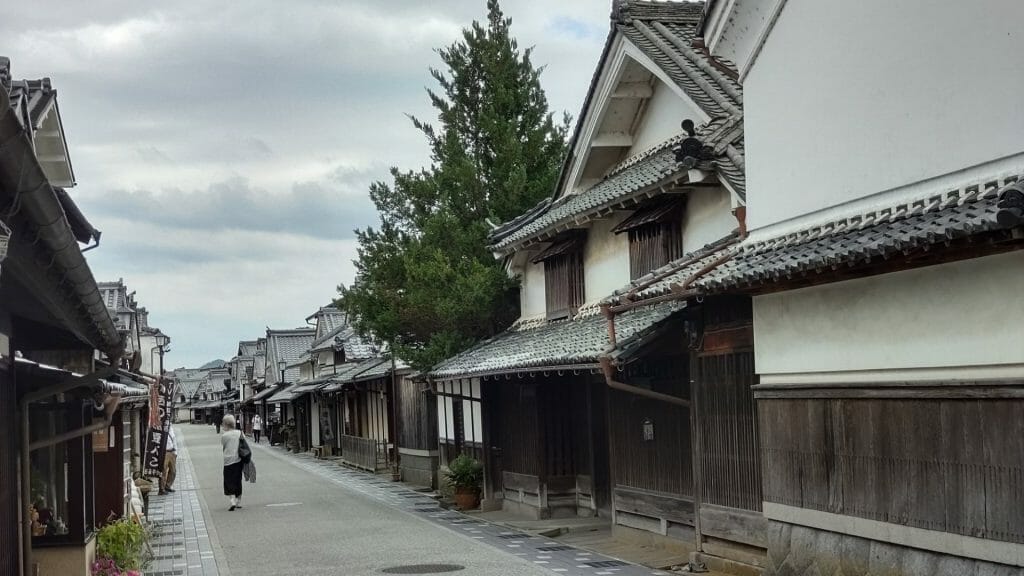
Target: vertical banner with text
{"x": 156, "y": 439}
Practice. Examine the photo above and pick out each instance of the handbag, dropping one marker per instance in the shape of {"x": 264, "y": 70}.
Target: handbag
{"x": 244, "y": 452}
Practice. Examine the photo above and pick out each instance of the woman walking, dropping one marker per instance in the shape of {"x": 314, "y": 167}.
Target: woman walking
{"x": 230, "y": 441}
{"x": 257, "y": 427}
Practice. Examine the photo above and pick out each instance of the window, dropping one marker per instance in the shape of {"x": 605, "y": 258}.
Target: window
{"x": 563, "y": 276}
{"x": 655, "y": 236}
{"x": 61, "y": 475}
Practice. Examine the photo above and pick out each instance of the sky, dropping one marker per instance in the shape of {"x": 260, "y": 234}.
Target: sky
{"x": 225, "y": 149}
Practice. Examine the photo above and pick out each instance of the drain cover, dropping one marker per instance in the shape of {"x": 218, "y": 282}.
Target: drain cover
{"x": 423, "y": 569}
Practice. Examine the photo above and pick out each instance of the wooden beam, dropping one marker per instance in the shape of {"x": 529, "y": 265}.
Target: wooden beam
{"x": 633, "y": 90}
{"x": 612, "y": 140}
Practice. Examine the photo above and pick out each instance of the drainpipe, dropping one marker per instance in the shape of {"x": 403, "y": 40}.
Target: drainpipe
{"x": 27, "y": 447}
{"x": 609, "y": 378}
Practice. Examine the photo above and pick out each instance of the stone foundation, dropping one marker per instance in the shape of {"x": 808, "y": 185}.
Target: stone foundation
{"x": 419, "y": 467}
{"x": 800, "y": 551}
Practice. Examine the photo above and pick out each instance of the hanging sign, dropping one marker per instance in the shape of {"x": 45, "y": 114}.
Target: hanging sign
{"x": 156, "y": 439}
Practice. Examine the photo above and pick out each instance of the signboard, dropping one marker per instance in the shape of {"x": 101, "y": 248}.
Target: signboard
{"x": 101, "y": 438}
{"x": 326, "y": 433}
{"x": 156, "y": 438}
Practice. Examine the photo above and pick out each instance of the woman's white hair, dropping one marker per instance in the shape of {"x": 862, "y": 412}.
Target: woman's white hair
{"x": 228, "y": 422}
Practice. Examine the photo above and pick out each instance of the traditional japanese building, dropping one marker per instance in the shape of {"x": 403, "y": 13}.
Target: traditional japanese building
{"x": 60, "y": 350}
{"x": 597, "y": 401}
{"x": 884, "y": 266}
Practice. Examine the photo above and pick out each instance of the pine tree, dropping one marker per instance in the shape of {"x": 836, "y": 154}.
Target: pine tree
{"x": 426, "y": 282}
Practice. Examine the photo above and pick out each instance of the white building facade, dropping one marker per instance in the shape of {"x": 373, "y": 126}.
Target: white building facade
{"x": 883, "y": 143}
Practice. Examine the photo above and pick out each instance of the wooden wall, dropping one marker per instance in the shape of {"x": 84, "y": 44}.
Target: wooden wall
{"x": 727, "y": 429}
{"x": 519, "y": 435}
{"x": 664, "y": 463}
{"x": 953, "y": 465}
{"x": 417, "y": 416}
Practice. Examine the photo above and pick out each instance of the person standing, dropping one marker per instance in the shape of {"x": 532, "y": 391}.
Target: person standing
{"x": 257, "y": 427}
{"x": 170, "y": 464}
{"x": 230, "y": 441}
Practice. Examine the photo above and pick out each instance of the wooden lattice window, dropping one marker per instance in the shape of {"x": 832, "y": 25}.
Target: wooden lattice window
{"x": 563, "y": 276}
{"x": 655, "y": 236}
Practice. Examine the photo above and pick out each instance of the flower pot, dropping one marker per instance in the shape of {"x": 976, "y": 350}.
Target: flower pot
{"x": 467, "y": 498}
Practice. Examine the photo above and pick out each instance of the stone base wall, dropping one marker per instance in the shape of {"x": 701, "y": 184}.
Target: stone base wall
{"x": 800, "y": 551}
{"x": 419, "y": 469}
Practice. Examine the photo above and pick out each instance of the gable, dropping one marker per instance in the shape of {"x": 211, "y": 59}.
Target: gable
{"x": 635, "y": 106}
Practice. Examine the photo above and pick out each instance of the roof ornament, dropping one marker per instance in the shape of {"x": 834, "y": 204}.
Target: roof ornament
{"x": 1011, "y": 206}
{"x": 692, "y": 150}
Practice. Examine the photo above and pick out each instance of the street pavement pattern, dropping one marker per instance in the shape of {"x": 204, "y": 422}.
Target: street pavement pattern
{"x": 307, "y": 516}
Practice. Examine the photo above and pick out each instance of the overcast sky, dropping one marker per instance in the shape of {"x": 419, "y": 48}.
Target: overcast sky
{"x": 225, "y": 148}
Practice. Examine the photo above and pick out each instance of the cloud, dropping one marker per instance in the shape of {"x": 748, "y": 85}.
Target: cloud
{"x": 225, "y": 149}
{"x": 329, "y": 209}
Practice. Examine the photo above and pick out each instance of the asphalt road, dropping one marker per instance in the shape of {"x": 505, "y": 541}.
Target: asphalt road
{"x": 295, "y": 522}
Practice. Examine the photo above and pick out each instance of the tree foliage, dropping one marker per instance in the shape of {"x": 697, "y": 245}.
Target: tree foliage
{"x": 426, "y": 282}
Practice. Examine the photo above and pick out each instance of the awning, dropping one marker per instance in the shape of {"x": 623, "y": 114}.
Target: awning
{"x": 649, "y": 214}
{"x": 265, "y": 393}
{"x": 554, "y": 345}
{"x": 282, "y": 394}
{"x": 27, "y": 369}
{"x": 561, "y": 246}
{"x": 348, "y": 372}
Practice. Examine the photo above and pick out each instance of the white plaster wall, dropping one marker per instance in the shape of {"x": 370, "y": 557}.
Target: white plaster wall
{"x": 849, "y": 99}
{"x": 662, "y": 119}
{"x": 531, "y": 290}
{"x": 314, "y": 419}
{"x": 708, "y": 217}
{"x": 605, "y": 259}
{"x": 966, "y": 313}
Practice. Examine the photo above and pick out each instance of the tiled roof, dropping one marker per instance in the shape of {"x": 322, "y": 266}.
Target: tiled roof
{"x": 247, "y": 348}
{"x": 268, "y": 391}
{"x": 663, "y": 280}
{"x": 563, "y": 343}
{"x": 867, "y": 238}
{"x": 379, "y": 370}
{"x": 348, "y": 371}
{"x": 344, "y": 337}
{"x": 665, "y": 32}
{"x": 289, "y": 345}
{"x": 284, "y": 394}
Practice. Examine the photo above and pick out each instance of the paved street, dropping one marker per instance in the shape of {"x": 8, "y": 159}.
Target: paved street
{"x": 305, "y": 516}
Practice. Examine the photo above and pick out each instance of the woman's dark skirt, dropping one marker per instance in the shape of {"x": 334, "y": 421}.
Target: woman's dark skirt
{"x": 233, "y": 479}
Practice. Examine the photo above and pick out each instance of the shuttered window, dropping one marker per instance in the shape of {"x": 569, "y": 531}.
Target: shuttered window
{"x": 655, "y": 235}
{"x": 563, "y": 284}
{"x": 652, "y": 246}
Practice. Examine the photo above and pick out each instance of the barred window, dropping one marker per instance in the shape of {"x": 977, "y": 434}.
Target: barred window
{"x": 655, "y": 236}
{"x": 563, "y": 276}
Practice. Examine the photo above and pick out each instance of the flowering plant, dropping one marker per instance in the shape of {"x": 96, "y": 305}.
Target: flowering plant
{"x": 107, "y": 567}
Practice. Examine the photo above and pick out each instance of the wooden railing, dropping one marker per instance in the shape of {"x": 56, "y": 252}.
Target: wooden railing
{"x": 360, "y": 452}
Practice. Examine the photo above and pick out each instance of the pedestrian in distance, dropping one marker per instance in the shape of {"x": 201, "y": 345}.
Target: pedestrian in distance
{"x": 236, "y": 455}
{"x": 170, "y": 464}
{"x": 257, "y": 427}
{"x": 218, "y": 417}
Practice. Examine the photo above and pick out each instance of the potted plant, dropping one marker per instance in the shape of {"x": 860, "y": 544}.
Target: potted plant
{"x": 465, "y": 474}
{"x": 122, "y": 549}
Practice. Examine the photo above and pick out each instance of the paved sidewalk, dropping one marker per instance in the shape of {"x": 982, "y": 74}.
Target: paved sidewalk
{"x": 546, "y": 553}
{"x": 182, "y": 545}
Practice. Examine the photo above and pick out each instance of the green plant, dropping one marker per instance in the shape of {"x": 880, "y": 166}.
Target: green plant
{"x": 465, "y": 473}
{"x": 125, "y": 543}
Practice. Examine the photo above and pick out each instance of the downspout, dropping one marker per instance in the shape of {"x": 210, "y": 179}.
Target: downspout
{"x": 27, "y": 447}
{"x": 609, "y": 378}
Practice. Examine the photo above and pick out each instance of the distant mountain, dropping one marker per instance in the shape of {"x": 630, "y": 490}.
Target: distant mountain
{"x": 213, "y": 364}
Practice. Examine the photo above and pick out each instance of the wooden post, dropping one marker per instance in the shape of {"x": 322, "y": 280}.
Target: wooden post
{"x": 698, "y": 452}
